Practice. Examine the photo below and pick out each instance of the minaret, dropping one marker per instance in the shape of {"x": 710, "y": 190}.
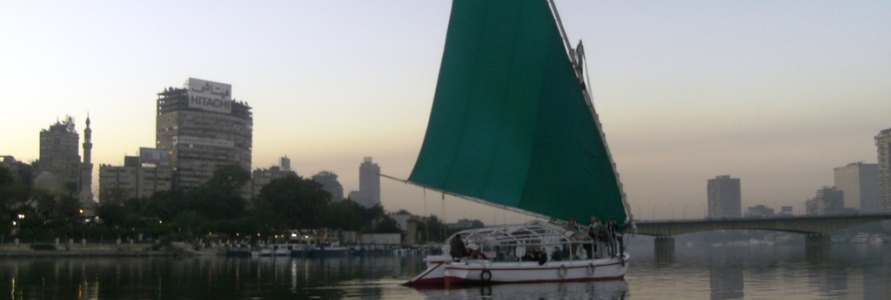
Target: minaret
{"x": 86, "y": 174}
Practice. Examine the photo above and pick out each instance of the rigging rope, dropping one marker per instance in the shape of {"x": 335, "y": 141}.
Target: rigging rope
{"x": 442, "y": 222}
{"x": 426, "y": 219}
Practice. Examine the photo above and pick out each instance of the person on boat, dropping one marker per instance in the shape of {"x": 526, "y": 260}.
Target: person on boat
{"x": 573, "y": 225}
{"x": 581, "y": 253}
{"x": 457, "y": 250}
{"x": 532, "y": 254}
{"x": 603, "y": 234}
{"x": 542, "y": 256}
{"x": 474, "y": 252}
{"x": 499, "y": 255}
{"x": 593, "y": 230}
{"x": 619, "y": 237}
{"x": 611, "y": 229}
{"x": 557, "y": 255}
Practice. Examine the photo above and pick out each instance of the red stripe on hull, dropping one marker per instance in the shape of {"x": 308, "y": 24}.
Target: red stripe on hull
{"x": 462, "y": 281}
{"x": 526, "y": 269}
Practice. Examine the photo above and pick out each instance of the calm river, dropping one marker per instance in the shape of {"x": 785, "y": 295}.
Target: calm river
{"x": 751, "y": 272}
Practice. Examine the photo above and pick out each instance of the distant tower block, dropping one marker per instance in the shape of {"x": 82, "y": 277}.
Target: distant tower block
{"x": 883, "y": 145}
{"x": 860, "y": 184}
{"x": 59, "y": 156}
{"x": 724, "y": 198}
{"x": 329, "y": 183}
{"x": 370, "y": 182}
{"x": 285, "y": 163}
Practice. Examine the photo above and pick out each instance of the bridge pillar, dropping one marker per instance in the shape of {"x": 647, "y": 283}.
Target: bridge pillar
{"x": 816, "y": 246}
{"x": 664, "y": 247}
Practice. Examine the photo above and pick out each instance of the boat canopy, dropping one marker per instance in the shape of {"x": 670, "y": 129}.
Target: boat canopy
{"x": 533, "y": 233}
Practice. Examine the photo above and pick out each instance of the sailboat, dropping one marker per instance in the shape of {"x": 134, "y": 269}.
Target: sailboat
{"x": 513, "y": 126}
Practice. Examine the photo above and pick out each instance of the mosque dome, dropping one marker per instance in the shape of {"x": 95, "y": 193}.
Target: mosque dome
{"x": 47, "y": 181}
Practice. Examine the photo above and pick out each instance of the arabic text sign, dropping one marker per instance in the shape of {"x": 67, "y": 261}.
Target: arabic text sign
{"x": 209, "y": 95}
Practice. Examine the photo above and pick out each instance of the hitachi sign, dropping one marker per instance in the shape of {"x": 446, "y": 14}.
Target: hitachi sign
{"x": 208, "y": 103}
{"x": 209, "y": 95}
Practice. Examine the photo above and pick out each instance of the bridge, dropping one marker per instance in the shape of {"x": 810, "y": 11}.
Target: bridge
{"x": 816, "y": 228}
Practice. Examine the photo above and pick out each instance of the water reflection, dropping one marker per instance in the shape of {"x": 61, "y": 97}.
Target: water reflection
{"x": 788, "y": 272}
{"x": 614, "y": 289}
{"x": 726, "y": 282}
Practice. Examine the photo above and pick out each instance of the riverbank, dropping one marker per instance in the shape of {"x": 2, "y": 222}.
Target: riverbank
{"x": 82, "y": 249}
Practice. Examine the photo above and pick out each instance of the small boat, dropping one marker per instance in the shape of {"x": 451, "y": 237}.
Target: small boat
{"x": 509, "y": 267}
{"x": 322, "y": 250}
{"x": 276, "y": 249}
{"x": 513, "y": 126}
{"x": 860, "y": 238}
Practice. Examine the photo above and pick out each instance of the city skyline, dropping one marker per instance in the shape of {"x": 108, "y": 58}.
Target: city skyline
{"x": 777, "y": 94}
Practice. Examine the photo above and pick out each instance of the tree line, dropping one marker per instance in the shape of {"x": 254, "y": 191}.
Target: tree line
{"x": 217, "y": 209}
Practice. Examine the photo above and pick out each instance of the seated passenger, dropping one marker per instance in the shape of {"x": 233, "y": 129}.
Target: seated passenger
{"x": 557, "y": 255}
{"x": 499, "y": 256}
{"x": 542, "y": 256}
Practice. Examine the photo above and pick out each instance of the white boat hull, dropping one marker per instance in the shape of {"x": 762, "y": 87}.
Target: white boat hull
{"x": 440, "y": 270}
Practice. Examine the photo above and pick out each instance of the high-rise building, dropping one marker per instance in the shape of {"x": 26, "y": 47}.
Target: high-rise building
{"x": 285, "y": 163}
{"x": 261, "y": 177}
{"x": 829, "y": 201}
{"x": 140, "y": 176}
{"x": 883, "y": 145}
{"x": 59, "y": 156}
{"x": 202, "y": 127}
{"x": 370, "y": 182}
{"x": 724, "y": 198}
{"x": 860, "y": 184}
{"x": 369, "y": 193}
{"x": 329, "y": 183}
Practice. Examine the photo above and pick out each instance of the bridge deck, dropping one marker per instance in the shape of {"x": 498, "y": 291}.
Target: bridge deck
{"x": 805, "y": 224}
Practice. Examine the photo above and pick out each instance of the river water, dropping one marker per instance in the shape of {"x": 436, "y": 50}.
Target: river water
{"x": 748, "y": 272}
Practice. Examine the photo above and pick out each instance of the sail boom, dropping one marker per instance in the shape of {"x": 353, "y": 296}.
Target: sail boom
{"x": 480, "y": 201}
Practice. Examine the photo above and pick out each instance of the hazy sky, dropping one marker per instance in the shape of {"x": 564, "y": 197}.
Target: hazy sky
{"x": 776, "y": 93}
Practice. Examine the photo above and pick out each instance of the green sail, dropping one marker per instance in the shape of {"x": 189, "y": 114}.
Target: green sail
{"x": 510, "y": 124}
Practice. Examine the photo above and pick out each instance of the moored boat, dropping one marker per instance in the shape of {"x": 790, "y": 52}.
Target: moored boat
{"x": 860, "y": 238}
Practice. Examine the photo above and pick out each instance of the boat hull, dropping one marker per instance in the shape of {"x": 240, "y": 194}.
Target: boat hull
{"x": 444, "y": 272}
